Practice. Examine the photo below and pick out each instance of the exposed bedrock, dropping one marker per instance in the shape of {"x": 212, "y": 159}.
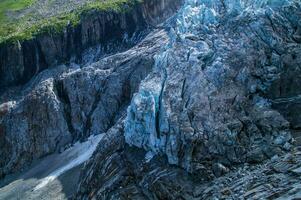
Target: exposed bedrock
{"x": 32, "y": 128}
{"x": 67, "y": 103}
{"x": 285, "y": 92}
{"x": 206, "y": 102}
{"x": 118, "y": 171}
{"x": 216, "y": 89}
{"x": 212, "y": 102}
{"x": 106, "y": 31}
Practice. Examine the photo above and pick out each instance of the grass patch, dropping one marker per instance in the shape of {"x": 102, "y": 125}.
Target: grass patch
{"x": 25, "y": 28}
{"x": 12, "y": 5}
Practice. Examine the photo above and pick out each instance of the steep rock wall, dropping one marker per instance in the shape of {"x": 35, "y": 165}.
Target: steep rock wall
{"x": 207, "y": 108}
{"x": 110, "y": 30}
{"x": 66, "y": 103}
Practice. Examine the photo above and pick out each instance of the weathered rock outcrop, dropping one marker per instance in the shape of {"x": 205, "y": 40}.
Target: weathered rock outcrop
{"x": 209, "y": 105}
{"x": 67, "y": 103}
{"x": 206, "y": 102}
{"x": 106, "y": 31}
{"x": 285, "y": 92}
{"x": 119, "y": 172}
{"x": 33, "y": 127}
{"x": 64, "y": 105}
{"x": 212, "y": 90}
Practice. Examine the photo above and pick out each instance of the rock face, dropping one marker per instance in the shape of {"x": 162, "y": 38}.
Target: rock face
{"x": 106, "y": 31}
{"x": 33, "y": 127}
{"x": 119, "y": 172}
{"x": 212, "y": 90}
{"x": 278, "y": 178}
{"x": 206, "y": 102}
{"x": 67, "y": 103}
{"x": 216, "y": 98}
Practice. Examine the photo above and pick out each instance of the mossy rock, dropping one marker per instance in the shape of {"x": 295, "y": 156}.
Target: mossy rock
{"x": 19, "y": 27}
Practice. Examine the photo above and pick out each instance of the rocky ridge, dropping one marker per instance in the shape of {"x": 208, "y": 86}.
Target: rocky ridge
{"x": 205, "y": 106}
{"x": 100, "y": 32}
{"x": 67, "y": 103}
{"x": 212, "y": 103}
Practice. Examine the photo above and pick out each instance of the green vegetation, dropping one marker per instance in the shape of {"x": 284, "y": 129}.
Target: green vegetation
{"x": 12, "y": 5}
{"x": 27, "y": 26}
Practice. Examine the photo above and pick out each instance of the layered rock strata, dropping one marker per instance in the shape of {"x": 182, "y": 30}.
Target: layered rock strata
{"x": 103, "y": 31}
{"x": 66, "y": 103}
{"x": 216, "y": 99}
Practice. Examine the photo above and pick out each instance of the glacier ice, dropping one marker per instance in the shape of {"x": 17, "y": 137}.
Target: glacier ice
{"x": 147, "y": 124}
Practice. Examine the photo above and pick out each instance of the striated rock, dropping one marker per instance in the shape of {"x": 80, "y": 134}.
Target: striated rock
{"x": 123, "y": 173}
{"x": 63, "y": 105}
{"x": 104, "y": 31}
{"x": 33, "y": 127}
{"x": 199, "y": 104}
{"x": 97, "y": 95}
{"x": 195, "y": 110}
{"x": 66, "y": 103}
{"x": 118, "y": 171}
{"x": 207, "y": 109}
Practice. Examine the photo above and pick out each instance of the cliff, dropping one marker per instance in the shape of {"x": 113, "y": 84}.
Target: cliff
{"x": 203, "y": 106}
{"x": 109, "y": 30}
{"x": 220, "y": 101}
{"x": 57, "y": 107}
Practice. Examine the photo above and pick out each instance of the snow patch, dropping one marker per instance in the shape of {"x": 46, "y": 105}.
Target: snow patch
{"x": 79, "y": 153}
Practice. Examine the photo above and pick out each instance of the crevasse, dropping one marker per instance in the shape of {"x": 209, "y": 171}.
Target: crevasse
{"x": 196, "y": 18}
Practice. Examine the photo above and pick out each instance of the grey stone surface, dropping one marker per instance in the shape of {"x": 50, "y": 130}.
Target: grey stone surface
{"x": 34, "y": 126}
{"x": 69, "y": 103}
{"x": 66, "y": 103}
{"x": 205, "y": 107}
{"x": 118, "y": 171}
{"x": 210, "y": 108}
{"x": 206, "y": 99}
{"x": 101, "y": 31}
